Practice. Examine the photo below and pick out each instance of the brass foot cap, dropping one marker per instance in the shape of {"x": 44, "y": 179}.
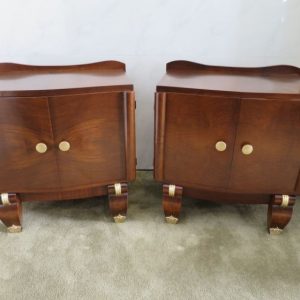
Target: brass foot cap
{"x": 14, "y": 229}
{"x": 119, "y": 218}
{"x": 171, "y": 220}
{"x": 276, "y": 231}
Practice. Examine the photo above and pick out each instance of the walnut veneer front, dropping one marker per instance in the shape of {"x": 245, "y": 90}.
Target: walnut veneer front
{"x": 229, "y": 134}
{"x": 66, "y": 132}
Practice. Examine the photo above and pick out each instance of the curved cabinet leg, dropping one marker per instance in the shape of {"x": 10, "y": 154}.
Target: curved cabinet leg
{"x": 172, "y": 198}
{"x": 11, "y": 212}
{"x": 118, "y": 201}
{"x": 280, "y": 212}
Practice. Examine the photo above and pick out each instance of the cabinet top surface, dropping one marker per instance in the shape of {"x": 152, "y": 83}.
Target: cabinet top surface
{"x": 16, "y": 79}
{"x": 185, "y": 76}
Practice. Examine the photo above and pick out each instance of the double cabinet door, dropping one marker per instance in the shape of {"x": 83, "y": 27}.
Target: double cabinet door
{"x": 63, "y": 142}
{"x": 242, "y": 144}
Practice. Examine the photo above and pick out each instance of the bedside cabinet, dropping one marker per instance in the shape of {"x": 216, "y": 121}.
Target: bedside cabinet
{"x": 229, "y": 135}
{"x": 66, "y": 132}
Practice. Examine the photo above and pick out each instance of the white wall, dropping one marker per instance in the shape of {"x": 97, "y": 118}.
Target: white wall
{"x": 147, "y": 34}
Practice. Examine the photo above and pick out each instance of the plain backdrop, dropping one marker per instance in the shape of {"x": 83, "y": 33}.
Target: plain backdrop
{"x": 147, "y": 34}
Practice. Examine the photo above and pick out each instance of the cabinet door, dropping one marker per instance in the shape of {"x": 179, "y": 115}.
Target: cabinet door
{"x": 272, "y": 127}
{"x": 187, "y": 130}
{"x": 25, "y": 122}
{"x": 99, "y": 128}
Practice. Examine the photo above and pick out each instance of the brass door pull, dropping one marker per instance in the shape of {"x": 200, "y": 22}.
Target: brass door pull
{"x": 41, "y": 148}
{"x": 221, "y": 146}
{"x": 64, "y": 146}
{"x": 247, "y": 149}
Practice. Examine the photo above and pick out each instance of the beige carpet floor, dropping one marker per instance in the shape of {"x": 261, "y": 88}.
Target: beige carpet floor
{"x": 72, "y": 250}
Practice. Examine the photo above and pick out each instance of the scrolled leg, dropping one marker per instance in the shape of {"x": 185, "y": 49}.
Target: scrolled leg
{"x": 280, "y": 212}
{"x": 118, "y": 201}
{"x": 11, "y": 212}
{"x": 172, "y": 198}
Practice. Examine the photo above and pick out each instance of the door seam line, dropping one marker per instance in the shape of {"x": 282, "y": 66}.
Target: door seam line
{"x": 234, "y": 141}
{"x": 54, "y": 143}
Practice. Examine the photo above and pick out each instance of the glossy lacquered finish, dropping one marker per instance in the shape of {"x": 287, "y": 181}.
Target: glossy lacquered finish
{"x": 229, "y": 134}
{"x": 66, "y": 132}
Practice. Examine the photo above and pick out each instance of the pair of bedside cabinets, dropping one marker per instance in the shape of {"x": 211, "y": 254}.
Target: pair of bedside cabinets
{"x": 224, "y": 134}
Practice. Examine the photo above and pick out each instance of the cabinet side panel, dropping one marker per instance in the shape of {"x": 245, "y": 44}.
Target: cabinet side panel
{"x": 159, "y": 135}
{"x": 129, "y": 134}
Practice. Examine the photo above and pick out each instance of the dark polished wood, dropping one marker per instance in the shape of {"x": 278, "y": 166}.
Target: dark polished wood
{"x": 272, "y": 127}
{"x": 278, "y": 214}
{"x": 183, "y": 76}
{"x": 208, "y": 117}
{"x": 25, "y": 122}
{"x": 11, "y": 213}
{"x": 195, "y": 127}
{"x": 97, "y": 155}
{"x": 23, "y": 80}
{"x": 172, "y": 203}
{"x": 118, "y": 203}
{"x": 84, "y": 115}
{"x": 65, "y": 195}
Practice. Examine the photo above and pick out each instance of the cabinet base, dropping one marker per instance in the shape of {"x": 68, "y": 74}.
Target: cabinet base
{"x": 11, "y": 204}
{"x": 280, "y": 207}
{"x": 11, "y": 212}
{"x": 100, "y": 190}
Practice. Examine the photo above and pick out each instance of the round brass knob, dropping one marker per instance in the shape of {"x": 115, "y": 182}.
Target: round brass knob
{"x": 41, "y": 148}
{"x": 64, "y": 146}
{"x": 221, "y": 146}
{"x": 247, "y": 149}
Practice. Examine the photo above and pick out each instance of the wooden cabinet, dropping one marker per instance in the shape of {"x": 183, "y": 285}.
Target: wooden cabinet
{"x": 66, "y": 132}
{"x": 229, "y": 135}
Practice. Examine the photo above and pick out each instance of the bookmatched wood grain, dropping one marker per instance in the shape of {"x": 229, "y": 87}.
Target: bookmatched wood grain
{"x": 25, "y": 122}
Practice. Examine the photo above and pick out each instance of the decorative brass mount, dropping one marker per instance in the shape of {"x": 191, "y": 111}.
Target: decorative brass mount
{"x": 14, "y": 229}
{"x": 119, "y": 218}
{"x": 172, "y": 190}
{"x": 5, "y": 199}
{"x": 118, "y": 189}
{"x": 171, "y": 220}
{"x": 285, "y": 200}
{"x": 275, "y": 231}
